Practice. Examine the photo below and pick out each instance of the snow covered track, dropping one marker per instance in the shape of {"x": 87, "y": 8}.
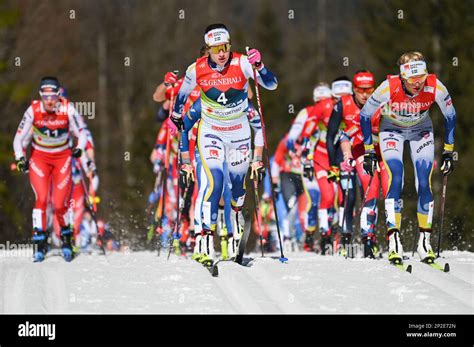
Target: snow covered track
{"x": 141, "y": 282}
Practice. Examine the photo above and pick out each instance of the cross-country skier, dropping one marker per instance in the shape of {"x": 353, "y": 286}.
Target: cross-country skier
{"x": 342, "y": 90}
{"x": 287, "y": 181}
{"x": 406, "y": 99}
{"x": 52, "y": 120}
{"x": 224, "y": 131}
{"x": 351, "y": 143}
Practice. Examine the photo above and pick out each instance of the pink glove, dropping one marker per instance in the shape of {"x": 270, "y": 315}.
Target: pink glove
{"x": 255, "y": 58}
{"x": 348, "y": 165}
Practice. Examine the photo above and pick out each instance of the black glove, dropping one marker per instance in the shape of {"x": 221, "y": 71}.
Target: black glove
{"x": 22, "y": 165}
{"x": 370, "y": 163}
{"x": 308, "y": 171}
{"x": 177, "y": 121}
{"x": 448, "y": 163}
{"x": 276, "y": 188}
{"x": 76, "y": 152}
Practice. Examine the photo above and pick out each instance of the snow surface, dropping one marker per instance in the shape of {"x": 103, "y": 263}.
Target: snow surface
{"x": 142, "y": 282}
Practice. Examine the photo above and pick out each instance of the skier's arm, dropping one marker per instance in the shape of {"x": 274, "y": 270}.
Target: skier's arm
{"x": 264, "y": 76}
{"x": 380, "y": 96}
{"x": 76, "y": 127}
{"x": 445, "y": 103}
{"x": 186, "y": 88}
{"x": 189, "y": 120}
{"x": 22, "y": 132}
{"x": 333, "y": 127}
{"x": 84, "y": 160}
{"x": 256, "y": 124}
{"x": 160, "y": 93}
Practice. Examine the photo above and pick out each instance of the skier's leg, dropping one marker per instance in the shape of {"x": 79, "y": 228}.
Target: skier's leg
{"x": 77, "y": 204}
{"x": 212, "y": 155}
{"x": 368, "y": 215}
{"x": 311, "y": 189}
{"x": 327, "y": 202}
{"x": 40, "y": 173}
{"x": 391, "y": 148}
{"x": 289, "y": 195}
{"x": 62, "y": 185}
{"x": 238, "y": 161}
{"x": 422, "y": 156}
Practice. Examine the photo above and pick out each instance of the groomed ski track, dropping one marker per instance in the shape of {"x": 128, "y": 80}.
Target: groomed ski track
{"x": 141, "y": 282}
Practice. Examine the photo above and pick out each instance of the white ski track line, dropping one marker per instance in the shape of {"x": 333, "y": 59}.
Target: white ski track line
{"x": 244, "y": 296}
{"x": 451, "y": 285}
{"x": 232, "y": 302}
{"x": 277, "y": 291}
{"x": 56, "y": 295}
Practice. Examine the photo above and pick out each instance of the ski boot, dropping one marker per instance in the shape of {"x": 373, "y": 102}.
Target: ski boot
{"x": 224, "y": 247}
{"x": 370, "y": 246}
{"x": 176, "y": 247}
{"x": 207, "y": 245}
{"x": 326, "y": 243}
{"x": 40, "y": 245}
{"x": 309, "y": 241}
{"x": 197, "y": 253}
{"x": 424, "y": 247}
{"x": 67, "y": 242}
{"x": 395, "y": 248}
{"x": 238, "y": 221}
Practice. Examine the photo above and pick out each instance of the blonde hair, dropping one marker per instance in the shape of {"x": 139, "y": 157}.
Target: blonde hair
{"x": 410, "y": 56}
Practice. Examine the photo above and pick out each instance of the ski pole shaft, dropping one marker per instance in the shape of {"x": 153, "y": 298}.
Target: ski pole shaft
{"x": 443, "y": 200}
{"x": 92, "y": 210}
{"x": 346, "y": 197}
{"x": 258, "y": 216}
{"x": 176, "y": 225}
{"x": 267, "y": 160}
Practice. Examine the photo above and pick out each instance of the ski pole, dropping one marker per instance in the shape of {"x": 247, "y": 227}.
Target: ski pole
{"x": 346, "y": 197}
{"x": 267, "y": 160}
{"x": 176, "y": 225}
{"x": 258, "y": 216}
{"x": 443, "y": 199}
{"x": 91, "y": 208}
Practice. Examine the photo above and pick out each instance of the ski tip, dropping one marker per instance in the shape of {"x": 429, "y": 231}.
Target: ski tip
{"x": 215, "y": 271}
{"x": 446, "y": 267}
{"x": 283, "y": 260}
{"x": 409, "y": 268}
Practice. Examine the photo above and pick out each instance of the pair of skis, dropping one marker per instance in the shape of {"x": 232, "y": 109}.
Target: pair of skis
{"x": 431, "y": 263}
{"x": 214, "y": 269}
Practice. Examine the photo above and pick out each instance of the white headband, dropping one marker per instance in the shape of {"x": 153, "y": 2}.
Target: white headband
{"x": 413, "y": 68}
{"x": 217, "y": 36}
{"x": 341, "y": 87}
{"x": 321, "y": 92}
